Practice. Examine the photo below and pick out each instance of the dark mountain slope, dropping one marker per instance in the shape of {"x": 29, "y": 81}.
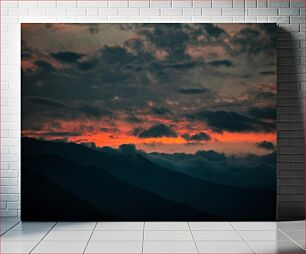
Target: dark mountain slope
{"x": 108, "y": 198}
{"x": 228, "y": 203}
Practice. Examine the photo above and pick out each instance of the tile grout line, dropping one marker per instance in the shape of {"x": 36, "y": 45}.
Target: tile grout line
{"x": 10, "y": 228}
{"x": 193, "y": 237}
{"x": 90, "y": 237}
{"x": 246, "y": 242}
{"x": 290, "y": 238}
{"x": 42, "y": 238}
{"x": 143, "y": 232}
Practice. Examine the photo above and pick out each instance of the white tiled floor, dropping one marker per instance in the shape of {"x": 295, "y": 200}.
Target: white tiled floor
{"x": 152, "y": 237}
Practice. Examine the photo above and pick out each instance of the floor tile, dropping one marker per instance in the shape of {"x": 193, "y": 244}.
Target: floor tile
{"x": 5, "y": 226}
{"x": 63, "y": 226}
{"x": 117, "y": 236}
{"x": 60, "y": 247}
{"x": 114, "y": 247}
{"x": 23, "y": 236}
{"x": 152, "y": 225}
{"x": 169, "y": 247}
{"x": 297, "y": 235}
{"x": 69, "y": 236}
{"x": 33, "y": 226}
{"x": 223, "y": 247}
{"x": 17, "y": 247}
{"x": 120, "y": 226}
{"x": 291, "y": 225}
{"x": 273, "y": 235}
{"x": 199, "y": 225}
{"x": 253, "y": 226}
{"x": 216, "y": 236}
{"x": 168, "y": 236}
{"x": 276, "y": 247}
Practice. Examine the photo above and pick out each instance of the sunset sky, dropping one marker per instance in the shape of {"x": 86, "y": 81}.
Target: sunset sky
{"x": 163, "y": 87}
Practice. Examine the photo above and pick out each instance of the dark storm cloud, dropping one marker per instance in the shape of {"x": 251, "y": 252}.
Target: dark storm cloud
{"x": 44, "y": 66}
{"x": 87, "y": 65}
{"x": 193, "y": 90}
{"x": 93, "y": 111}
{"x": 266, "y": 145}
{"x": 155, "y": 131}
{"x": 67, "y": 56}
{"x": 46, "y": 102}
{"x": 133, "y": 119}
{"x": 231, "y": 121}
{"x": 225, "y": 63}
{"x": 160, "y": 110}
{"x": 202, "y": 136}
{"x": 268, "y": 113}
{"x": 253, "y": 40}
{"x": 214, "y": 30}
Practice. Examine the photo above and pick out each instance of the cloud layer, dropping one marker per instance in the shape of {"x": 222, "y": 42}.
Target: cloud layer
{"x": 172, "y": 84}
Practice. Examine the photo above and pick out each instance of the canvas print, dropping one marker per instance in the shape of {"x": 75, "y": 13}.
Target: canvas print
{"x": 148, "y": 122}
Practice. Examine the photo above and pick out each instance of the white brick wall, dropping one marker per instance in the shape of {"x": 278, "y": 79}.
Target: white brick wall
{"x": 291, "y": 72}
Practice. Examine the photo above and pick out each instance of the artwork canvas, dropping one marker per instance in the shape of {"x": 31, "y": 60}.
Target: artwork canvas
{"x": 148, "y": 122}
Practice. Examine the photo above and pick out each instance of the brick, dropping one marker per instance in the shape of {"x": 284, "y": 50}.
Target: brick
{"x": 202, "y": 3}
{"x": 91, "y": 4}
{"x": 13, "y": 205}
{"x": 92, "y": 11}
{"x": 181, "y": 19}
{"x": 47, "y": 4}
{"x": 57, "y": 12}
{"x": 9, "y": 173}
{"x": 128, "y": 12}
{"x": 150, "y": 12}
{"x": 9, "y": 4}
{"x": 136, "y": 19}
{"x": 289, "y": 11}
{"x": 18, "y": 12}
{"x": 297, "y": 20}
{"x": 238, "y": 3}
{"x": 262, "y": 3}
{"x": 9, "y": 197}
{"x": 278, "y": 3}
{"x": 250, "y": 3}
{"x": 172, "y": 11}
{"x": 291, "y": 182}
{"x": 108, "y": 11}
{"x": 211, "y": 12}
{"x": 139, "y": 4}
{"x": 181, "y": 3}
{"x": 76, "y": 12}
{"x": 201, "y": 19}
{"x": 160, "y": 4}
{"x": 222, "y": 3}
{"x": 66, "y": 4}
{"x": 249, "y": 19}
{"x": 291, "y": 190}
{"x": 291, "y": 198}
{"x": 192, "y": 11}
{"x": 222, "y": 19}
{"x": 262, "y": 12}
{"x": 38, "y": 11}
{"x": 297, "y": 3}
{"x": 160, "y": 19}
{"x": 118, "y": 4}
{"x": 233, "y": 11}
{"x": 9, "y": 213}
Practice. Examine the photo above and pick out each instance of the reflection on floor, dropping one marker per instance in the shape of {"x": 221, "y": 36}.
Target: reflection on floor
{"x": 152, "y": 237}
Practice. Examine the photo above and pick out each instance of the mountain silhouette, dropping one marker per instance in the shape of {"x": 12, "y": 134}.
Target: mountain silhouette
{"x": 199, "y": 199}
